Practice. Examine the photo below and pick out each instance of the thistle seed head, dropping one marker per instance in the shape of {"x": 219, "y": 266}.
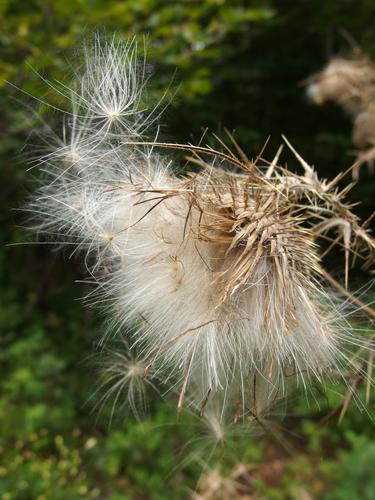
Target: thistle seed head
{"x": 350, "y": 83}
{"x": 218, "y": 273}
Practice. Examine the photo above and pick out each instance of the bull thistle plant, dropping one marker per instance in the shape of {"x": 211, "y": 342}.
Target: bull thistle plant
{"x": 215, "y": 273}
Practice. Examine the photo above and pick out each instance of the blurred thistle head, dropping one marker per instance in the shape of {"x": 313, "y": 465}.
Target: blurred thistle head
{"x": 363, "y": 133}
{"x": 349, "y": 83}
{"x": 215, "y": 485}
{"x": 216, "y": 273}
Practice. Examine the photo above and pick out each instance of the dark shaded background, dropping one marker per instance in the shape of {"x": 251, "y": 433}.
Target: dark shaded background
{"x": 232, "y": 64}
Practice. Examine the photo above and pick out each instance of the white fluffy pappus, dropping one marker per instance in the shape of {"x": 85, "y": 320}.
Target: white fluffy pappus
{"x": 217, "y": 273}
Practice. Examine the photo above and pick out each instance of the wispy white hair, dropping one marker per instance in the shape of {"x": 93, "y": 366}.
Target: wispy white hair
{"x": 216, "y": 273}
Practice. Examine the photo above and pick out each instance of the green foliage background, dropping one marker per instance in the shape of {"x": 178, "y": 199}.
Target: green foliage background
{"x": 230, "y": 64}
